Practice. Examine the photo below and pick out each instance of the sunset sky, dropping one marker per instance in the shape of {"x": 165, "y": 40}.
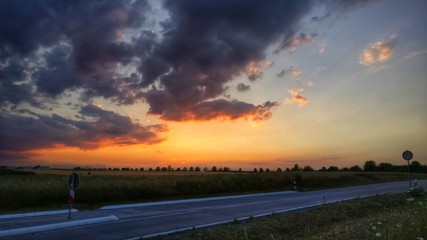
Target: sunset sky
{"x": 238, "y": 83}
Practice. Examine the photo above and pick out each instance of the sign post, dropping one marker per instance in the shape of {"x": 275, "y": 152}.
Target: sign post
{"x": 407, "y": 155}
{"x": 73, "y": 181}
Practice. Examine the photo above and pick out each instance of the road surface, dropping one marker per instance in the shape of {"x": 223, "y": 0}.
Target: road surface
{"x": 152, "y": 219}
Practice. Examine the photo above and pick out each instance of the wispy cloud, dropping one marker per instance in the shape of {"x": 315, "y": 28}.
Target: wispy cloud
{"x": 293, "y": 72}
{"x": 255, "y": 69}
{"x": 415, "y": 54}
{"x": 377, "y": 52}
{"x": 241, "y": 87}
{"x": 296, "y": 97}
{"x": 295, "y": 42}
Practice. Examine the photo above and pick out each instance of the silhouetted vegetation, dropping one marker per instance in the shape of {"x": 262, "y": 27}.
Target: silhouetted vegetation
{"x": 6, "y": 171}
{"x": 415, "y": 166}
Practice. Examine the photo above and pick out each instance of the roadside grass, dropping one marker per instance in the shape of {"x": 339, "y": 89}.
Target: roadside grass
{"x": 397, "y": 216}
{"x": 48, "y": 189}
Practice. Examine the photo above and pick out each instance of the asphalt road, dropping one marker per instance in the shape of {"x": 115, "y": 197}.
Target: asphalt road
{"x": 152, "y": 219}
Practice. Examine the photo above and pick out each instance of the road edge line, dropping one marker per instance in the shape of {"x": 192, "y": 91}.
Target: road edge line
{"x": 56, "y": 226}
{"x": 36, "y": 214}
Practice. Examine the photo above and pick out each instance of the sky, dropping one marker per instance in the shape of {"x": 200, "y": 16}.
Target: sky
{"x": 237, "y": 83}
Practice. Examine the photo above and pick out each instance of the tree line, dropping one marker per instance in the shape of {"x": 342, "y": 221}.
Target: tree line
{"x": 369, "y": 166}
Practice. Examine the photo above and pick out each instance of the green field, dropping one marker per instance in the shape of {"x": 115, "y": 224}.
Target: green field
{"x": 388, "y": 217}
{"x": 48, "y": 189}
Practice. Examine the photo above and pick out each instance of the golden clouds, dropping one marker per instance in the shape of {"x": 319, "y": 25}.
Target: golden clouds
{"x": 377, "y": 52}
{"x": 255, "y": 69}
{"x": 296, "y": 72}
{"x": 296, "y": 97}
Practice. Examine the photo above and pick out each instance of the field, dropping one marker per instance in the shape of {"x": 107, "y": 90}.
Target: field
{"x": 397, "y": 216}
{"x": 48, "y": 189}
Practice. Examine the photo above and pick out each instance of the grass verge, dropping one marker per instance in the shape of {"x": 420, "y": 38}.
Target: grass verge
{"x": 397, "y": 216}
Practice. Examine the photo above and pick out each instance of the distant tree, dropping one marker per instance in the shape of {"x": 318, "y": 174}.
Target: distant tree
{"x": 287, "y": 169}
{"x": 158, "y": 169}
{"x": 323, "y": 169}
{"x": 109, "y": 169}
{"x": 385, "y": 167}
{"x": 261, "y": 169}
{"x": 150, "y": 169}
{"x": 191, "y": 168}
{"x": 178, "y": 169}
{"x": 416, "y": 166}
{"x": 184, "y": 169}
{"x": 255, "y": 170}
{"x": 141, "y": 169}
{"x": 307, "y": 168}
{"x": 296, "y": 168}
{"x": 370, "y": 166}
{"x": 279, "y": 170}
{"x": 197, "y": 169}
{"x": 214, "y": 169}
{"x": 333, "y": 169}
{"x": 205, "y": 169}
{"x": 267, "y": 170}
{"x": 164, "y": 169}
{"x": 344, "y": 169}
{"x": 240, "y": 169}
{"x": 355, "y": 168}
{"x": 220, "y": 169}
{"x": 170, "y": 168}
{"x": 226, "y": 169}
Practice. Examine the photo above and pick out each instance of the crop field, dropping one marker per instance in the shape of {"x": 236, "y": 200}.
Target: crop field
{"x": 48, "y": 189}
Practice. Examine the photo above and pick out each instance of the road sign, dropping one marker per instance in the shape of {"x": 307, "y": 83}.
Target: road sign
{"x": 71, "y": 196}
{"x": 407, "y": 155}
{"x": 74, "y": 180}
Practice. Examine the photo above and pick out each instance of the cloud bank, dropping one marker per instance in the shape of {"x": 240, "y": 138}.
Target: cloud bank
{"x": 179, "y": 65}
{"x": 96, "y": 127}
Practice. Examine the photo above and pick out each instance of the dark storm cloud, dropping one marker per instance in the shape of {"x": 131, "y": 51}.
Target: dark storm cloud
{"x": 241, "y": 87}
{"x": 49, "y": 46}
{"x": 95, "y": 127}
{"x": 161, "y": 104}
{"x": 12, "y": 89}
{"x": 182, "y": 71}
{"x": 64, "y": 45}
{"x": 207, "y": 44}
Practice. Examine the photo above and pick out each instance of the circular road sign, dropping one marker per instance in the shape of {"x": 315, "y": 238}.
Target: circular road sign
{"x": 407, "y": 155}
{"x": 74, "y": 180}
